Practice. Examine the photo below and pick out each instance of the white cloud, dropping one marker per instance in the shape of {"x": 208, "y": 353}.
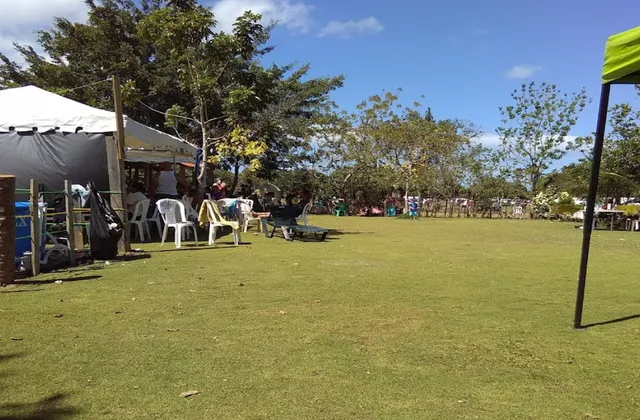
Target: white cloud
{"x": 21, "y": 19}
{"x": 522, "y": 71}
{"x": 293, "y": 15}
{"x": 37, "y": 14}
{"x": 346, "y": 29}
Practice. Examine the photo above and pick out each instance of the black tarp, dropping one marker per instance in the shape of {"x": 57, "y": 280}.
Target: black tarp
{"x": 52, "y": 157}
{"x": 105, "y": 226}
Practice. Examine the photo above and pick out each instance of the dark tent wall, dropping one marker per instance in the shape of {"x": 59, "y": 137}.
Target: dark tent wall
{"x": 50, "y": 158}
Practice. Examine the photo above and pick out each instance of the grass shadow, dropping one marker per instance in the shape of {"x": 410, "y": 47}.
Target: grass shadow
{"x": 9, "y": 356}
{"x": 193, "y": 247}
{"x": 49, "y": 408}
{"x": 612, "y": 321}
{"x": 341, "y": 232}
{"x": 135, "y": 256}
{"x": 50, "y": 281}
{"x": 20, "y": 291}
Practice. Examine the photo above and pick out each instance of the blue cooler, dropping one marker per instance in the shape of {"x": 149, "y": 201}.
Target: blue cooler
{"x": 23, "y": 228}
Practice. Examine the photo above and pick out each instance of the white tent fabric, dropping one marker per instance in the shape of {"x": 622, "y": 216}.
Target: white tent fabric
{"x": 29, "y": 107}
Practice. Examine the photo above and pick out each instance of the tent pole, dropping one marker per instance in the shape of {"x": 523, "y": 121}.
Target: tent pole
{"x": 115, "y": 165}
{"x": 591, "y": 201}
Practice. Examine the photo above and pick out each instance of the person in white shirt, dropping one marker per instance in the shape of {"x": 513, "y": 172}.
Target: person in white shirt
{"x": 135, "y": 194}
{"x": 165, "y": 183}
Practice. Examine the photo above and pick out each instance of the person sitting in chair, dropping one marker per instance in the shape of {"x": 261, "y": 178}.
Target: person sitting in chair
{"x": 135, "y": 194}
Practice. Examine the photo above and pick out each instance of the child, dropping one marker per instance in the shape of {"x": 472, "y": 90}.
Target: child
{"x": 413, "y": 209}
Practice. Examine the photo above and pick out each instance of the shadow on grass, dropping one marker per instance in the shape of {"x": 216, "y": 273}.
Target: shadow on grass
{"x": 20, "y": 291}
{"x": 341, "y": 232}
{"x": 612, "y": 321}
{"x": 133, "y": 257}
{"x": 9, "y": 356}
{"x": 50, "y": 281}
{"x": 50, "y": 408}
{"x": 193, "y": 247}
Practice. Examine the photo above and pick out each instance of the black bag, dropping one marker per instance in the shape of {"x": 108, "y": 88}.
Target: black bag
{"x": 106, "y": 228}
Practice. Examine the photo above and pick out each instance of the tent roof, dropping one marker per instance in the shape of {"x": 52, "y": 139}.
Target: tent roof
{"x": 29, "y": 107}
{"x": 622, "y": 58}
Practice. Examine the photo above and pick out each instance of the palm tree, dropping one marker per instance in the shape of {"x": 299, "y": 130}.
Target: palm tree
{"x": 7, "y": 228}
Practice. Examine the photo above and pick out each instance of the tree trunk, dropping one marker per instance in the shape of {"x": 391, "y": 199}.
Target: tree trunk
{"x": 8, "y": 228}
{"x": 406, "y": 198}
{"x": 236, "y": 175}
{"x": 202, "y": 177}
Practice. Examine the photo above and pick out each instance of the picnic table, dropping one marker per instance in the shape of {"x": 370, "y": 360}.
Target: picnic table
{"x": 612, "y": 213}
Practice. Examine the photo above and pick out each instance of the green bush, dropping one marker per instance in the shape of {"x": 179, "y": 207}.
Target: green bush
{"x": 565, "y": 209}
{"x": 629, "y": 210}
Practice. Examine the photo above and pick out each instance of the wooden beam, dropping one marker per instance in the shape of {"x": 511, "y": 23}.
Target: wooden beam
{"x": 147, "y": 177}
{"x": 115, "y": 165}
{"x": 35, "y": 227}
{"x": 7, "y": 228}
{"x": 71, "y": 238}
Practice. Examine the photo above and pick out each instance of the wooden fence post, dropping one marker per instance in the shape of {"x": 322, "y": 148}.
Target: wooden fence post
{"x": 68, "y": 200}
{"x": 34, "y": 213}
{"x": 7, "y": 228}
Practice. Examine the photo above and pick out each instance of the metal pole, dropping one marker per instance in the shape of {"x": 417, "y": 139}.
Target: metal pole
{"x": 34, "y": 213}
{"x": 591, "y": 202}
{"x": 71, "y": 239}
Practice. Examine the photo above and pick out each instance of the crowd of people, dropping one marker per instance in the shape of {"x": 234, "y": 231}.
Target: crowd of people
{"x": 165, "y": 183}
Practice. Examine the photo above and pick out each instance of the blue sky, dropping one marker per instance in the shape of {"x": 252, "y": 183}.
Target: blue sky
{"x": 465, "y": 56}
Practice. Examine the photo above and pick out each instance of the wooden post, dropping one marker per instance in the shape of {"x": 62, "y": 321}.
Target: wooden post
{"x": 34, "y": 213}
{"x": 115, "y": 165}
{"x": 68, "y": 201}
{"x": 7, "y": 228}
{"x": 78, "y": 229}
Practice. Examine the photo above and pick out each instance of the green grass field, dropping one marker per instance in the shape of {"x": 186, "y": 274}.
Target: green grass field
{"x": 391, "y": 319}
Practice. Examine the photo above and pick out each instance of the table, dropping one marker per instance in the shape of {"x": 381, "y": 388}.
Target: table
{"x": 613, "y": 214}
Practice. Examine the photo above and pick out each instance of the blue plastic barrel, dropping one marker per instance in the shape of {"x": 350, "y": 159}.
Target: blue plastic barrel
{"x": 23, "y": 229}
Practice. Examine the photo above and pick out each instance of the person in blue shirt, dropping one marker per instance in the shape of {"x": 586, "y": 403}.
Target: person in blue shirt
{"x": 413, "y": 209}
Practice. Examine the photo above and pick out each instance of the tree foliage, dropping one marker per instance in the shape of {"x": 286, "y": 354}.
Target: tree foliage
{"x": 534, "y": 130}
{"x": 182, "y": 76}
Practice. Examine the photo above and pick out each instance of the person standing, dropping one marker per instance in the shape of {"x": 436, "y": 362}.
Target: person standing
{"x": 165, "y": 183}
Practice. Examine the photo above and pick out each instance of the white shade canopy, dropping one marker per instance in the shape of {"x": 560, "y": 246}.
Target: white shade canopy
{"x": 29, "y": 107}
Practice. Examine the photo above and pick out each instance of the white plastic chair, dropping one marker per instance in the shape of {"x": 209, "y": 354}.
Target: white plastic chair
{"x": 246, "y": 213}
{"x": 174, "y": 216}
{"x": 139, "y": 219}
{"x": 192, "y": 213}
{"x": 303, "y": 217}
{"x": 517, "y": 212}
{"x": 155, "y": 218}
{"x": 216, "y": 221}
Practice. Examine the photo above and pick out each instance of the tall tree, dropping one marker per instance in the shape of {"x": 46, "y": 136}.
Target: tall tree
{"x": 172, "y": 61}
{"x": 408, "y": 138}
{"x": 242, "y": 110}
{"x": 81, "y": 56}
{"x": 620, "y": 167}
{"x": 534, "y": 130}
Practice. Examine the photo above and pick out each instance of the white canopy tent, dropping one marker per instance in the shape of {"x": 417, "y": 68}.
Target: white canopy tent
{"x": 27, "y": 108}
